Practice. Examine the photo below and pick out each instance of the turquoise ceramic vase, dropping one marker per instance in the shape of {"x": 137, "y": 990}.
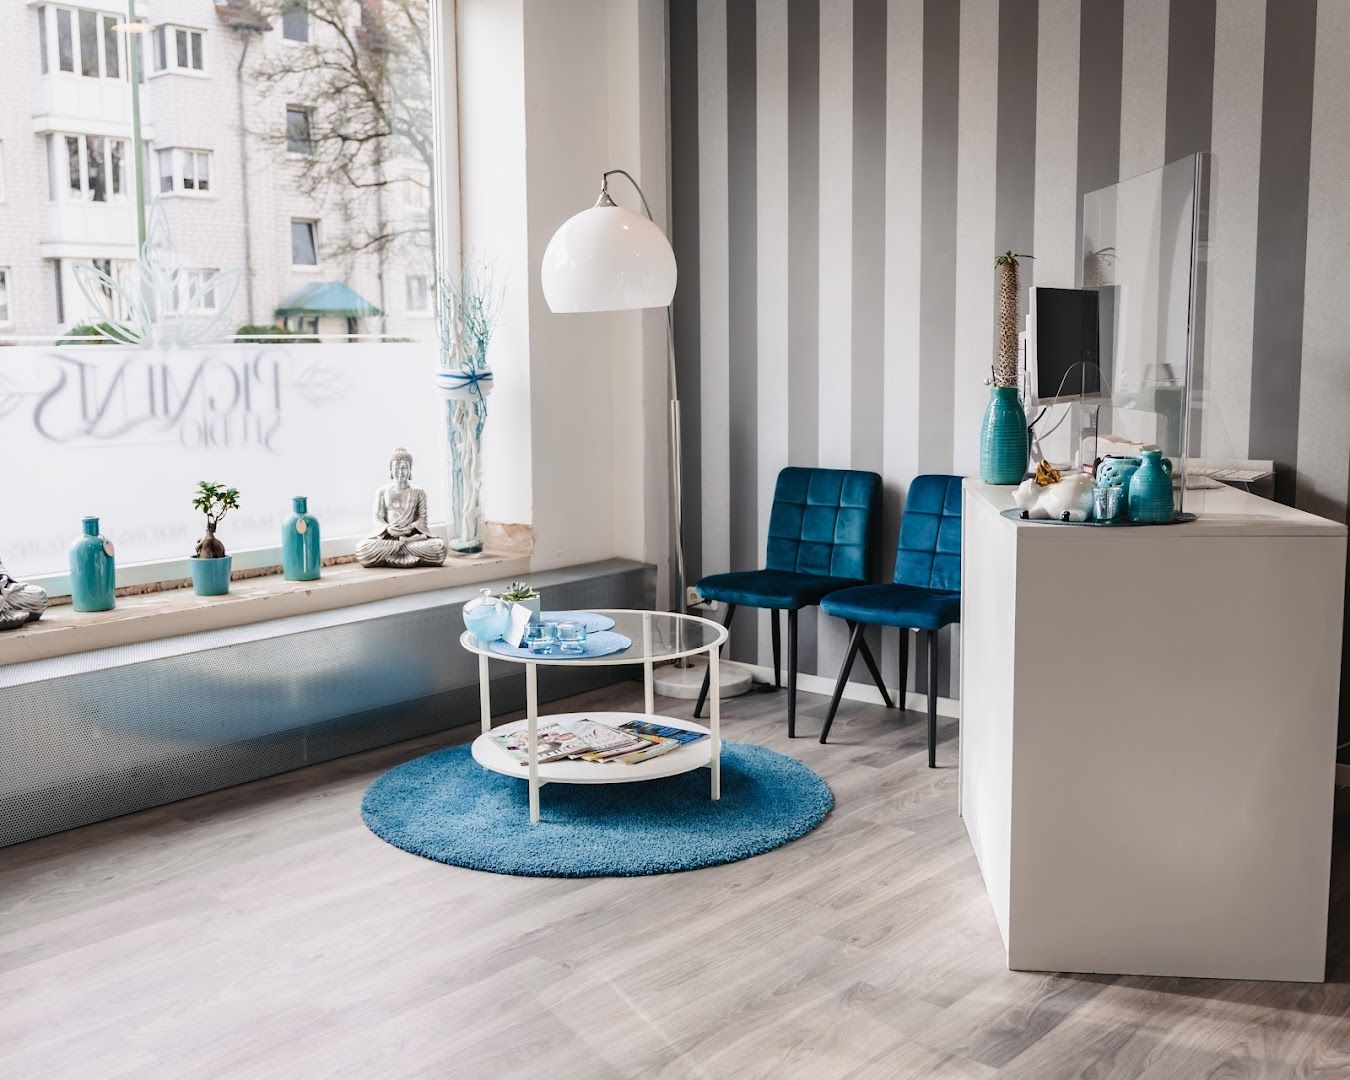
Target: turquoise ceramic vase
{"x": 1003, "y": 438}
{"x": 300, "y": 557}
{"x": 1150, "y": 498}
{"x": 93, "y": 572}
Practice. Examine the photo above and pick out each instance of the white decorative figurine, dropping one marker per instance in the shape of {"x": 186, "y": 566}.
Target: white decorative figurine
{"x": 1066, "y": 499}
{"x": 401, "y": 537}
{"x": 20, "y": 602}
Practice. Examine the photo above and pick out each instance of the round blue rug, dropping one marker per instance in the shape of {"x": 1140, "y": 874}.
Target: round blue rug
{"x": 447, "y": 807}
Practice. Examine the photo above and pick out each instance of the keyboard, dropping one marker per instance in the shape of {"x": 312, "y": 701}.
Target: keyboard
{"x": 1229, "y": 474}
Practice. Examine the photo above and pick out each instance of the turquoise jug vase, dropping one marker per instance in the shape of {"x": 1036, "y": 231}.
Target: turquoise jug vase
{"x": 93, "y": 570}
{"x": 1003, "y": 438}
{"x": 300, "y": 556}
{"x": 1150, "y": 497}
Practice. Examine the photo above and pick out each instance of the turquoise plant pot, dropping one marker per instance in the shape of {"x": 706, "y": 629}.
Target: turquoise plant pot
{"x": 1003, "y": 438}
{"x": 300, "y": 557}
{"x": 1150, "y": 500}
{"x": 93, "y": 572}
{"x": 211, "y": 577}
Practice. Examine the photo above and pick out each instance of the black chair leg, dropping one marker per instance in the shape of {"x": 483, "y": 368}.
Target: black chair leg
{"x": 904, "y": 665}
{"x": 855, "y": 638}
{"x": 932, "y": 697}
{"x": 775, "y": 634}
{"x": 707, "y": 675}
{"x": 792, "y": 673}
{"x": 871, "y": 663}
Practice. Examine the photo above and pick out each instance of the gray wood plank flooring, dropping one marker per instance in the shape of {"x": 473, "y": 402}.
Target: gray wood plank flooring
{"x": 264, "y": 932}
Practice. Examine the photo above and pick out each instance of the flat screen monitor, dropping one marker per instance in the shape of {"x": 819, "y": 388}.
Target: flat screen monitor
{"x": 1064, "y": 345}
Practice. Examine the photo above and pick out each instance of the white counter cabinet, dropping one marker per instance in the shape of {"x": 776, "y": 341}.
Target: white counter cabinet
{"x": 1148, "y": 733}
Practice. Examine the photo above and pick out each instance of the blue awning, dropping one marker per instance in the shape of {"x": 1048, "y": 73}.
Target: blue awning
{"x": 327, "y": 298}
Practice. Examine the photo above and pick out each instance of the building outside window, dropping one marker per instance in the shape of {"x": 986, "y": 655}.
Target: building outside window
{"x": 179, "y": 48}
{"x": 295, "y": 21}
{"x": 2, "y": 171}
{"x": 191, "y": 297}
{"x": 298, "y": 138}
{"x": 5, "y": 317}
{"x": 304, "y": 243}
{"x": 184, "y": 171}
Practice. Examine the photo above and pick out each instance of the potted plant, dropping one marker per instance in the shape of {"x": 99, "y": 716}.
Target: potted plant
{"x": 211, "y": 566}
{"x": 520, "y": 592}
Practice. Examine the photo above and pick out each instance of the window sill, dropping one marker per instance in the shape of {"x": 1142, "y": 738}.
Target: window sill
{"x": 154, "y": 616}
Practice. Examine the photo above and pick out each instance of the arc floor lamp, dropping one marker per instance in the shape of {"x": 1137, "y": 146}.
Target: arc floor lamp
{"x": 609, "y": 258}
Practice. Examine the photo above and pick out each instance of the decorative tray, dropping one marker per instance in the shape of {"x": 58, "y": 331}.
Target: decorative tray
{"x": 1018, "y": 515}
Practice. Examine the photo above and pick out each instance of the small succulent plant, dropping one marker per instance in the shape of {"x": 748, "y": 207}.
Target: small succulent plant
{"x": 518, "y": 591}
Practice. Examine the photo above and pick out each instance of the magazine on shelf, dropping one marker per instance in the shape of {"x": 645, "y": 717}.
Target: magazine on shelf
{"x": 662, "y": 731}
{"x": 603, "y": 741}
{"x": 555, "y": 742}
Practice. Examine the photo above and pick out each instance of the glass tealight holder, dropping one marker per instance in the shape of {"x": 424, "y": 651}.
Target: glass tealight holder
{"x": 571, "y": 637}
{"x": 1107, "y": 502}
{"x": 541, "y": 638}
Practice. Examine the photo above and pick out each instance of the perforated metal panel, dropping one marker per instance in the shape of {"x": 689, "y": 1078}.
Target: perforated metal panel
{"x": 96, "y": 735}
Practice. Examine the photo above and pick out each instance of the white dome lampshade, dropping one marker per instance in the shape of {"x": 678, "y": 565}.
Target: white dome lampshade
{"x": 608, "y": 258}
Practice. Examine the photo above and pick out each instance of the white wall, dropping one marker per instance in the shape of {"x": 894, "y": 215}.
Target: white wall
{"x": 551, "y": 96}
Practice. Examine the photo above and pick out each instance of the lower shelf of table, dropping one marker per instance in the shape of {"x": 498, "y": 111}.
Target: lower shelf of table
{"x": 696, "y": 755}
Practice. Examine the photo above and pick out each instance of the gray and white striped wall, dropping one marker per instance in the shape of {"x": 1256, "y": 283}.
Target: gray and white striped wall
{"x": 845, "y": 171}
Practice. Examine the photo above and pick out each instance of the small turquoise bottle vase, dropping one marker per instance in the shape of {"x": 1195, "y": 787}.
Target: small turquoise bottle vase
{"x": 300, "y": 558}
{"x": 1150, "y": 499}
{"x": 1003, "y": 438}
{"x": 93, "y": 570}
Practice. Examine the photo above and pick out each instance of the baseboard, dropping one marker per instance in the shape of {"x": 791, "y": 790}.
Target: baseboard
{"x": 853, "y": 691}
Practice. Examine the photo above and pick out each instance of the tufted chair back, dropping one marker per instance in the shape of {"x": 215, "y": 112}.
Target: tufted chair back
{"x": 929, "y": 552}
{"x": 823, "y": 522}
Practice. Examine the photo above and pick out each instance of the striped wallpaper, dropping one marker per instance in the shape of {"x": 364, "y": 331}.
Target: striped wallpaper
{"x": 844, "y": 172}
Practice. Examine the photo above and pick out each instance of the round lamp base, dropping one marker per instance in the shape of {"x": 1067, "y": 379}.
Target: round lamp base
{"x": 686, "y": 682}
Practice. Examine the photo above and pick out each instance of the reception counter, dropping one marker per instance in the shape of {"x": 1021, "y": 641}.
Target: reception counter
{"x": 1148, "y": 736}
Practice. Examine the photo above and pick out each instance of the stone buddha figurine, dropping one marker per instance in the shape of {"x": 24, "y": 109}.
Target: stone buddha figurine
{"x": 401, "y": 537}
{"x": 20, "y": 603}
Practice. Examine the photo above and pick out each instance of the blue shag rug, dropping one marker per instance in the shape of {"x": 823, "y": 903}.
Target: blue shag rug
{"x": 447, "y": 807}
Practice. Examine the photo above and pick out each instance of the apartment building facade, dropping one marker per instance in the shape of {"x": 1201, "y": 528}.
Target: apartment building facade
{"x": 224, "y": 154}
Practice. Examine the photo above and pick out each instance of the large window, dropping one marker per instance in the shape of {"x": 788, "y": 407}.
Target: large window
{"x": 314, "y": 211}
{"x": 304, "y": 242}
{"x": 184, "y": 171}
{"x": 86, "y": 42}
{"x": 179, "y": 48}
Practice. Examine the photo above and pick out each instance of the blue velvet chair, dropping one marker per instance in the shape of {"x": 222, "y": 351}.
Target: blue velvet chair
{"x": 821, "y": 539}
{"x": 925, "y": 595}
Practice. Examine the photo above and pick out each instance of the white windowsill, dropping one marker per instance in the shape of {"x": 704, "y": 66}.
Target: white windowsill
{"x": 154, "y": 616}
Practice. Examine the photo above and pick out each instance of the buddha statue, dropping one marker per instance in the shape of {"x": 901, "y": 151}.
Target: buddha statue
{"x": 401, "y": 537}
{"x": 20, "y": 603}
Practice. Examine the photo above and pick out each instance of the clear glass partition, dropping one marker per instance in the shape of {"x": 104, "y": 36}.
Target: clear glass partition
{"x": 1143, "y": 247}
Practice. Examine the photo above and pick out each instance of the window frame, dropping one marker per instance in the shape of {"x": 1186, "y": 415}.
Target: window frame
{"x": 308, "y": 114}
{"x": 115, "y": 181}
{"x": 165, "y": 53}
{"x": 7, "y": 295}
{"x": 313, "y": 224}
{"x": 289, "y": 11}
{"x": 179, "y": 157}
{"x": 49, "y": 47}
{"x": 426, "y": 308}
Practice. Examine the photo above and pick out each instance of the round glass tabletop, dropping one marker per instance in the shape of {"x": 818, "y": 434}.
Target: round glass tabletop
{"x": 656, "y": 635}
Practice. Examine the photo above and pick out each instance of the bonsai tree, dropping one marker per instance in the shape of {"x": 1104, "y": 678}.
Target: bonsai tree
{"x": 215, "y": 501}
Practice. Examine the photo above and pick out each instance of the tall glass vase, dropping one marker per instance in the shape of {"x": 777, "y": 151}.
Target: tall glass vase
{"x": 464, "y": 393}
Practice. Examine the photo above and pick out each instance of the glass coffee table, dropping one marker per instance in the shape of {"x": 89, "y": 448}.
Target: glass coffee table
{"x": 657, "y": 637}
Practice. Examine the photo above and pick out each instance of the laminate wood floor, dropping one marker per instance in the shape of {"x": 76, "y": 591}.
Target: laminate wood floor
{"x": 264, "y": 932}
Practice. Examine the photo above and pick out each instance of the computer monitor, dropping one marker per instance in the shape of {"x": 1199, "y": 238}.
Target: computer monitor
{"x": 1064, "y": 345}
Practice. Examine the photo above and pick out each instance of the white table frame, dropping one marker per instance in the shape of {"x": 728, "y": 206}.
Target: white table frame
{"x": 648, "y": 662}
